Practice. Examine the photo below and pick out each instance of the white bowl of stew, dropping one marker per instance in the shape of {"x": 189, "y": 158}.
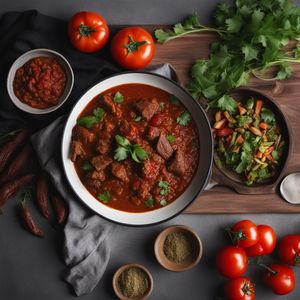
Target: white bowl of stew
{"x": 40, "y": 81}
{"x": 137, "y": 148}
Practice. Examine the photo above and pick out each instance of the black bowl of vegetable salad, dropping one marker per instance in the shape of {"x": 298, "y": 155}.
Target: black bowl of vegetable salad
{"x": 252, "y": 139}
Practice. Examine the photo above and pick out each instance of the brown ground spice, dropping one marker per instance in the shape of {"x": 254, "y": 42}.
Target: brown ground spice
{"x": 179, "y": 246}
{"x": 133, "y": 282}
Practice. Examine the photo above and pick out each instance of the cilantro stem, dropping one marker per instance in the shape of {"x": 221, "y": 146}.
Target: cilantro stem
{"x": 200, "y": 29}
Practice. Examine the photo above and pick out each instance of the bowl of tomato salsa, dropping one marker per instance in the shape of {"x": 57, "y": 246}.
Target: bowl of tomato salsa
{"x": 137, "y": 148}
{"x": 40, "y": 81}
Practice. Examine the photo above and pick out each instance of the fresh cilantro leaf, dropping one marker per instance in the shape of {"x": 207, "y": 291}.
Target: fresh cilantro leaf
{"x": 87, "y": 121}
{"x": 118, "y": 98}
{"x": 184, "y": 119}
{"x": 163, "y": 202}
{"x": 250, "y": 52}
{"x": 173, "y": 100}
{"x": 227, "y": 103}
{"x": 234, "y": 24}
{"x": 284, "y": 72}
{"x": 90, "y": 120}
{"x": 122, "y": 141}
{"x": 87, "y": 166}
{"x": 121, "y": 153}
{"x": 243, "y": 120}
{"x": 171, "y": 138}
{"x": 275, "y": 154}
{"x": 105, "y": 197}
{"x": 268, "y": 116}
{"x": 149, "y": 202}
{"x": 164, "y": 187}
{"x": 161, "y": 36}
{"x": 138, "y": 118}
{"x": 138, "y": 153}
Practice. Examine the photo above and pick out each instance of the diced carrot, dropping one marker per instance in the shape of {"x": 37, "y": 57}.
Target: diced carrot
{"x": 269, "y": 150}
{"x": 218, "y": 116}
{"x": 229, "y": 117}
{"x": 242, "y": 110}
{"x": 239, "y": 139}
{"x": 255, "y": 131}
{"x": 270, "y": 157}
{"x": 220, "y": 124}
{"x": 263, "y": 125}
{"x": 258, "y": 106}
{"x": 259, "y": 154}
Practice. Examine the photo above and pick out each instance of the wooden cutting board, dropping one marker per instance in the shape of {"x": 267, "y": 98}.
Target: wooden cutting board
{"x": 181, "y": 54}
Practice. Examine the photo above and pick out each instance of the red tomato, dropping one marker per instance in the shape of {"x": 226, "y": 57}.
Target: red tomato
{"x": 240, "y": 288}
{"x": 289, "y": 249}
{"x": 281, "y": 279}
{"x": 156, "y": 120}
{"x": 232, "y": 261}
{"x": 244, "y": 233}
{"x": 266, "y": 242}
{"x": 225, "y": 131}
{"x": 88, "y": 31}
{"x": 132, "y": 48}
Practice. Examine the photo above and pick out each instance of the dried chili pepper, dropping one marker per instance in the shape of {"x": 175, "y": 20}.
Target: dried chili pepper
{"x": 42, "y": 195}
{"x": 18, "y": 165}
{"x": 8, "y": 149}
{"x": 60, "y": 208}
{"x": 28, "y": 220}
{"x": 12, "y": 187}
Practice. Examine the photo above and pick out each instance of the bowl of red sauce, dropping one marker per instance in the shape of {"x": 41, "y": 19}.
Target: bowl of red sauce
{"x": 40, "y": 81}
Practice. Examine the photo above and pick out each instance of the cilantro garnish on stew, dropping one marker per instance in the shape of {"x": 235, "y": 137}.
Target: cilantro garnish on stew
{"x": 184, "y": 119}
{"x": 105, "y": 197}
{"x": 118, "y": 98}
{"x": 90, "y": 120}
{"x": 126, "y": 149}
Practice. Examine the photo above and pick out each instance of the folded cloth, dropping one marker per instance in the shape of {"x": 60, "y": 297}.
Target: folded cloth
{"x": 86, "y": 249}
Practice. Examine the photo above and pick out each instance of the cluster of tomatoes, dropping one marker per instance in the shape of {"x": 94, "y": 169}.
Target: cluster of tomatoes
{"x": 252, "y": 241}
{"x": 131, "y": 47}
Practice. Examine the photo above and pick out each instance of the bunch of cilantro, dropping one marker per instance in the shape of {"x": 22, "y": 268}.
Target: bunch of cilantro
{"x": 253, "y": 37}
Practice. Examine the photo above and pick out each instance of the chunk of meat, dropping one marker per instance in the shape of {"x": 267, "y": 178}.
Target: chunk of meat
{"x": 129, "y": 130}
{"x": 153, "y": 133}
{"x": 95, "y": 185}
{"x": 119, "y": 171}
{"x": 111, "y": 106}
{"x": 82, "y": 134}
{"x": 147, "y": 107}
{"x": 77, "y": 150}
{"x": 100, "y": 162}
{"x": 151, "y": 166}
{"x": 103, "y": 146}
{"x": 163, "y": 147}
{"x": 96, "y": 175}
{"x": 108, "y": 126}
{"x": 144, "y": 190}
{"x": 177, "y": 165}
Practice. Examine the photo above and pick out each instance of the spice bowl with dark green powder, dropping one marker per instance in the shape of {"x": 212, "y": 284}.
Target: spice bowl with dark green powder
{"x": 178, "y": 248}
{"x": 132, "y": 281}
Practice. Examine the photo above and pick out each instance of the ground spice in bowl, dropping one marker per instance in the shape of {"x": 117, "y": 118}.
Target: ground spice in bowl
{"x": 133, "y": 283}
{"x": 179, "y": 246}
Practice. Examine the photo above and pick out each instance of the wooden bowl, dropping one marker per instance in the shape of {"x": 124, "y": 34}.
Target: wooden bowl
{"x": 226, "y": 177}
{"x": 118, "y": 273}
{"x": 170, "y": 265}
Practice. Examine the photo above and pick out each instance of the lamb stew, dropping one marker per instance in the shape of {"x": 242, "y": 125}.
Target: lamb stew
{"x": 135, "y": 148}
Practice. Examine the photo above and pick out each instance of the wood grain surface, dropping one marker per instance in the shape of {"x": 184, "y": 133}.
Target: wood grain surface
{"x": 181, "y": 54}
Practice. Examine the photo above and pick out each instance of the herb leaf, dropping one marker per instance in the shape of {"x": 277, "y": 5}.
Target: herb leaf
{"x": 138, "y": 118}
{"x": 122, "y": 141}
{"x": 138, "y": 153}
{"x": 121, "y": 153}
{"x": 184, "y": 118}
{"x": 90, "y": 120}
{"x": 173, "y": 100}
{"x": 105, "y": 197}
{"x": 163, "y": 202}
{"x": 268, "y": 116}
{"x": 171, "y": 138}
{"x": 164, "y": 187}
{"x": 149, "y": 202}
{"x": 87, "y": 166}
{"x": 118, "y": 97}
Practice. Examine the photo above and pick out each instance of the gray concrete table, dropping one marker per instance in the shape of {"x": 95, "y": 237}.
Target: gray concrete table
{"x": 32, "y": 269}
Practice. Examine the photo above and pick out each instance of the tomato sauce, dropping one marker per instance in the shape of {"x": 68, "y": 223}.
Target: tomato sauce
{"x": 128, "y": 185}
{"x": 40, "y": 82}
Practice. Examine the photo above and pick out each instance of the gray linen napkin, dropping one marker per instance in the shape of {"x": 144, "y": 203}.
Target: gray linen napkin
{"x": 86, "y": 248}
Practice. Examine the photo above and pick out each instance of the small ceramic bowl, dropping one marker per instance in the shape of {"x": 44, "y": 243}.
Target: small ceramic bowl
{"x": 190, "y": 262}
{"x": 118, "y": 273}
{"x": 21, "y": 61}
